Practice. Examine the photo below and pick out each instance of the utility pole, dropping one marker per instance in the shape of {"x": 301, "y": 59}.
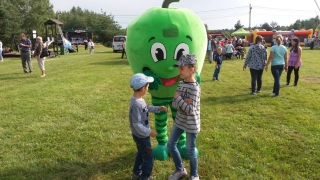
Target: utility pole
{"x": 250, "y": 7}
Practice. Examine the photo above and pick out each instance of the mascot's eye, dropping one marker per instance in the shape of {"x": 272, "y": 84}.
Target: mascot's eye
{"x": 181, "y": 49}
{"x": 158, "y": 52}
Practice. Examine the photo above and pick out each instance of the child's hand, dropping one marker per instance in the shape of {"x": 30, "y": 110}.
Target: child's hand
{"x": 162, "y": 108}
{"x": 188, "y": 101}
{"x": 216, "y": 66}
{"x": 153, "y": 133}
{"x": 176, "y": 95}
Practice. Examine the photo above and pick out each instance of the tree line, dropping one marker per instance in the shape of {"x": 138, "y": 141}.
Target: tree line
{"x": 23, "y": 16}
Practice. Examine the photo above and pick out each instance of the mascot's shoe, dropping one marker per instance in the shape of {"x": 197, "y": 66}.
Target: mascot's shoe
{"x": 160, "y": 152}
{"x": 183, "y": 151}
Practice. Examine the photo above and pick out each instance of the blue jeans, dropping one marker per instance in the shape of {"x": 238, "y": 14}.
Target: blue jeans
{"x": 216, "y": 72}
{"x": 276, "y": 72}
{"x": 191, "y": 149}
{"x": 144, "y": 158}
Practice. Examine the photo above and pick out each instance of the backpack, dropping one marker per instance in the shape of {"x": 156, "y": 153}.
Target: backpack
{"x": 44, "y": 53}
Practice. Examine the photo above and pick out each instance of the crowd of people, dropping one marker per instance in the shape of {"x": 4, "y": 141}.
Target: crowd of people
{"x": 258, "y": 60}
{"x": 230, "y": 48}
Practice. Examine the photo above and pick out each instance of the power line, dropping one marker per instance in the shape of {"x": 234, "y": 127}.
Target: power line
{"x": 122, "y": 15}
{"x": 197, "y": 11}
{"x": 221, "y": 9}
{"x": 226, "y": 16}
{"x": 281, "y": 9}
{"x": 276, "y": 14}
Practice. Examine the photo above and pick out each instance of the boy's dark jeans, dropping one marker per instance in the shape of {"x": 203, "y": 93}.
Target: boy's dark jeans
{"x": 276, "y": 72}
{"x": 144, "y": 158}
{"x": 256, "y": 77}
{"x": 216, "y": 72}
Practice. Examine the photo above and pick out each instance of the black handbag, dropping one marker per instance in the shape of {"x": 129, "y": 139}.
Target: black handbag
{"x": 44, "y": 53}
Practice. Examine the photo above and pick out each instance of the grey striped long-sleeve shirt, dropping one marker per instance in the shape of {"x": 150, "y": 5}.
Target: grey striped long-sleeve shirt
{"x": 188, "y": 115}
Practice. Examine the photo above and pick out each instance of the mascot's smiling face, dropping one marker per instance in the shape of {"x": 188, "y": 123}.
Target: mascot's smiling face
{"x": 157, "y": 39}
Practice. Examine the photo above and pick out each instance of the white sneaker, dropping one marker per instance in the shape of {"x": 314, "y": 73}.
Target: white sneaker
{"x": 273, "y": 95}
{"x": 194, "y": 178}
{"x": 178, "y": 174}
{"x": 43, "y": 75}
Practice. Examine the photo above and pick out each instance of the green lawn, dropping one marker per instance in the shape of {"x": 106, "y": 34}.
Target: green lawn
{"x": 73, "y": 123}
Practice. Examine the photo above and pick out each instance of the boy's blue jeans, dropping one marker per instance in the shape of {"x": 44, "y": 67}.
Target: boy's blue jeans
{"x": 144, "y": 158}
{"x": 276, "y": 72}
{"x": 216, "y": 72}
{"x": 191, "y": 149}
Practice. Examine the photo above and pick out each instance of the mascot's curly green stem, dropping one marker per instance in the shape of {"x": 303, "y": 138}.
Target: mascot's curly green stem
{"x": 166, "y": 3}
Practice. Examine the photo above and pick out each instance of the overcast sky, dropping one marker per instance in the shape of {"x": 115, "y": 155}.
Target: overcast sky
{"x": 218, "y": 14}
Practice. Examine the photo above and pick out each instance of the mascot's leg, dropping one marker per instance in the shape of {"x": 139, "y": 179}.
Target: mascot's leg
{"x": 161, "y": 120}
{"x": 182, "y": 141}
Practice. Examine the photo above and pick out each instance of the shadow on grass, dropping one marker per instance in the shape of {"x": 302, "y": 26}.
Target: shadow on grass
{"x": 12, "y": 76}
{"x": 66, "y": 169}
{"x": 112, "y": 62}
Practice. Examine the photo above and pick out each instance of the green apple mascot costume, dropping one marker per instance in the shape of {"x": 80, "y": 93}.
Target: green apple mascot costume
{"x": 155, "y": 41}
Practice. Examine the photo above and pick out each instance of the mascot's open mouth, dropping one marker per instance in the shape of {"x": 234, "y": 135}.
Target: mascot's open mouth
{"x": 170, "y": 82}
{"x": 165, "y": 81}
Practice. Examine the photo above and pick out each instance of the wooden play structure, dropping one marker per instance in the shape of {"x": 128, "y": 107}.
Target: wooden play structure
{"x": 51, "y": 26}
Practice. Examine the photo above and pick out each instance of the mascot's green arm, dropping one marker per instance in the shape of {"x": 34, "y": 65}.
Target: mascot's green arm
{"x": 198, "y": 77}
{"x": 157, "y": 81}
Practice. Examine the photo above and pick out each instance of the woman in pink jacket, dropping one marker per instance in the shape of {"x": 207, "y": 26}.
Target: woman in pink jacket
{"x": 294, "y": 62}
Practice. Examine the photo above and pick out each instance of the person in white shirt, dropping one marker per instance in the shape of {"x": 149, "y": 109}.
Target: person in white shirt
{"x": 1, "y": 58}
{"x": 123, "y": 48}
{"x": 91, "y": 46}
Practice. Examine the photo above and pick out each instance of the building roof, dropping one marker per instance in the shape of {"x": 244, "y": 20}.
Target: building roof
{"x": 53, "y": 21}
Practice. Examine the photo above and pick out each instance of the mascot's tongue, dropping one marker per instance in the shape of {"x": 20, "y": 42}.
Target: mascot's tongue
{"x": 170, "y": 82}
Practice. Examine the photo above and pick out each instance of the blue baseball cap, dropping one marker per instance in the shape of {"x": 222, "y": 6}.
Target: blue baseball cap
{"x": 139, "y": 80}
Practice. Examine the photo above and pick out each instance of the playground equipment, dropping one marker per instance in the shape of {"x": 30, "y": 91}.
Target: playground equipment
{"x": 317, "y": 31}
{"x": 58, "y": 39}
{"x": 66, "y": 43}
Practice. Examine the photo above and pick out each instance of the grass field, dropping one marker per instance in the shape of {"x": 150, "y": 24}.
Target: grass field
{"x": 73, "y": 123}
